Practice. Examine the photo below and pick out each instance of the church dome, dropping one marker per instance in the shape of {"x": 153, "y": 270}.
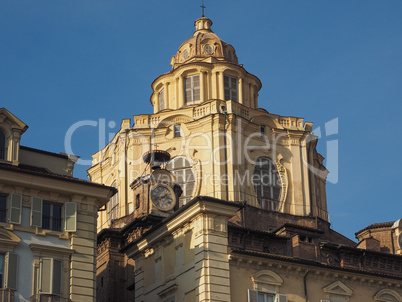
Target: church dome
{"x": 203, "y": 46}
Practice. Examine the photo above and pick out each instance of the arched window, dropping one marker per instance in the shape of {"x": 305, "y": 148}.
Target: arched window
{"x": 181, "y": 169}
{"x": 3, "y": 146}
{"x": 113, "y": 206}
{"x": 387, "y": 295}
{"x": 267, "y": 184}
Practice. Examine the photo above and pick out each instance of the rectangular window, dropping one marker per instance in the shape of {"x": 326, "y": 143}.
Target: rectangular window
{"x": 264, "y": 297}
{"x": 177, "y": 131}
{"x": 51, "y": 216}
{"x": 230, "y": 85}
{"x": 1, "y": 270}
{"x": 137, "y": 201}
{"x": 162, "y": 104}
{"x": 263, "y": 131}
{"x": 50, "y": 276}
{"x": 3, "y": 209}
{"x": 192, "y": 89}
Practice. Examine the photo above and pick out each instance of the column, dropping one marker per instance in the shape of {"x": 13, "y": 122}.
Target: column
{"x": 181, "y": 92}
{"x": 240, "y": 90}
{"x": 214, "y": 85}
{"x": 221, "y": 87}
{"x": 202, "y": 87}
{"x": 166, "y": 91}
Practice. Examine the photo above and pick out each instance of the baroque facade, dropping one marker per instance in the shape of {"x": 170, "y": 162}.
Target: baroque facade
{"x": 47, "y": 222}
{"x": 220, "y": 200}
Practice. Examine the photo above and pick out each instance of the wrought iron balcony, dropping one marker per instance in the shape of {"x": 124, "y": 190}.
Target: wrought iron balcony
{"x": 6, "y": 295}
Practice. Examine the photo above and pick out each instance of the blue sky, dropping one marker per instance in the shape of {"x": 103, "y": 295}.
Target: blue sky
{"x": 67, "y": 61}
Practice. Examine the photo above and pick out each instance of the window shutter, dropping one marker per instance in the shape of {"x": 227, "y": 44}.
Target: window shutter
{"x": 252, "y": 295}
{"x": 70, "y": 211}
{"x": 15, "y": 208}
{"x": 188, "y": 89}
{"x": 10, "y": 272}
{"x": 46, "y": 275}
{"x": 36, "y": 211}
{"x": 57, "y": 277}
{"x": 281, "y": 298}
{"x": 196, "y": 88}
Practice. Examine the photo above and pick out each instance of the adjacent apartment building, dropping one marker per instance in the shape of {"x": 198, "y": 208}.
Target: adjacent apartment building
{"x": 47, "y": 222}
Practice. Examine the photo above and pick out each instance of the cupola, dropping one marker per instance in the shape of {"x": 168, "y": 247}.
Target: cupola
{"x": 202, "y": 45}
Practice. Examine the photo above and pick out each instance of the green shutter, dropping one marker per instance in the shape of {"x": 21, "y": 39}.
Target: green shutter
{"x": 70, "y": 214}
{"x": 36, "y": 211}
{"x": 15, "y": 208}
{"x": 252, "y": 295}
{"x": 46, "y": 275}
{"x": 11, "y": 271}
{"x": 57, "y": 277}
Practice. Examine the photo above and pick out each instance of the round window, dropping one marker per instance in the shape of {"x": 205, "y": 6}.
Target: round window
{"x": 185, "y": 54}
{"x": 208, "y": 49}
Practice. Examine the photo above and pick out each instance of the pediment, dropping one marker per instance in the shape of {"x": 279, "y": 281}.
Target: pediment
{"x": 6, "y": 117}
{"x": 174, "y": 119}
{"x": 268, "y": 277}
{"x": 8, "y": 239}
{"x": 338, "y": 288}
{"x": 387, "y": 295}
{"x": 267, "y": 121}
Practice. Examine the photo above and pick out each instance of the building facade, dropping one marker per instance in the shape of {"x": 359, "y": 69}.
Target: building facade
{"x": 220, "y": 200}
{"x": 47, "y": 222}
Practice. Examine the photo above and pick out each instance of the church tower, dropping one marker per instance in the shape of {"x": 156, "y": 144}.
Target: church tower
{"x": 219, "y": 142}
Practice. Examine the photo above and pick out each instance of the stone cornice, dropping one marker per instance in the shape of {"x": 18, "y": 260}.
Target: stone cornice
{"x": 199, "y": 205}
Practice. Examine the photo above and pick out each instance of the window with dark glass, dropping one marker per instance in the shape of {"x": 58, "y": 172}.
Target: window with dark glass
{"x": 267, "y": 184}
{"x": 177, "y": 131}
{"x": 113, "y": 205}
{"x": 137, "y": 201}
{"x": 263, "y": 131}
{"x": 230, "y": 84}
{"x": 1, "y": 270}
{"x": 192, "y": 89}
{"x": 3, "y": 146}
{"x": 51, "y": 216}
{"x": 3, "y": 208}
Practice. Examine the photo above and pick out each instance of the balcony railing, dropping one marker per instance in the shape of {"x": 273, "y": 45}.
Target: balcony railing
{"x": 6, "y": 295}
{"x": 48, "y": 298}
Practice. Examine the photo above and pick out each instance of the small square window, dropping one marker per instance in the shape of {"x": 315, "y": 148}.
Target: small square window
{"x": 177, "y": 131}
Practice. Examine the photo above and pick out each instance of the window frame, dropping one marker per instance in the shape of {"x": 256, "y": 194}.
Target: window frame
{"x": 185, "y": 169}
{"x": 191, "y": 93}
{"x": 51, "y": 217}
{"x": 50, "y": 252}
{"x": 2, "y": 272}
{"x": 162, "y": 99}
{"x": 113, "y": 205}
{"x": 177, "y": 130}
{"x": 273, "y": 189}
{"x": 3, "y": 209}
{"x": 231, "y": 93}
{"x": 3, "y": 146}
